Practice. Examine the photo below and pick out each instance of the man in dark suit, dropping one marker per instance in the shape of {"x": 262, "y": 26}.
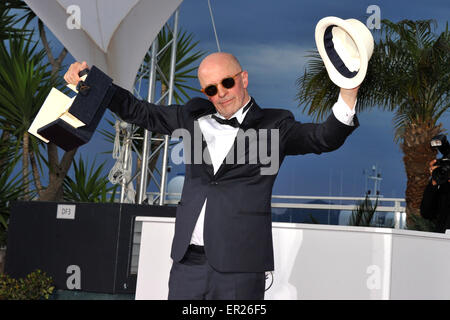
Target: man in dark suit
{"x": 223, "y": 236}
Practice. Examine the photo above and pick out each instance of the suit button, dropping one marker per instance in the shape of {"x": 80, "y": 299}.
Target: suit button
{"x": 214, "y": 183}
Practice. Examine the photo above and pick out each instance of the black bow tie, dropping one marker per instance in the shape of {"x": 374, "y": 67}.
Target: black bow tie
{"x": 233, "y": 121}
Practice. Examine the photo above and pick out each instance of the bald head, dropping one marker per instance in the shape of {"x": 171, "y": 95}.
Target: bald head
{"x": 217, "y": 67}
{"x": 218, "y": 60}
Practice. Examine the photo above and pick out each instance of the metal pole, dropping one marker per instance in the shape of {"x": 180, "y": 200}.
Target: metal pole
{"x": 170, "y": 99}
{"x": 127, "y": 142}
{"x": 397, "y": 220}
{"x": 403, "y": 220}
{"x": 147, "y": 134}
{"x": 397, "y": 216}
{"x": 214, "y": 25}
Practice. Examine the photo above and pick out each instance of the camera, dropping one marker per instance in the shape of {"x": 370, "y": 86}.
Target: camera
{"x": 441, "y": 174}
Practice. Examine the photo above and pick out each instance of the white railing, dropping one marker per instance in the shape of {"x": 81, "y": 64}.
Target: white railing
{"x": 396, "y": 206}
{"x": 392, "y": 206}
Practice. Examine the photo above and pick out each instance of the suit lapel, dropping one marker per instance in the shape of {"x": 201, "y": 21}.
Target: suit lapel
{"x": 200, "y": 108}
{"x": 253, "y": 117}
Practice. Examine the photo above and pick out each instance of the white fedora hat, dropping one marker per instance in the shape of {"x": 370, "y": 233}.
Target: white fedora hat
{"x": 346, "y": 47}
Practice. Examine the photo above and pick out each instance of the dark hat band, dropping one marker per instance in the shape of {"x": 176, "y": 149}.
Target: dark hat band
{"x": 333, "y": 56}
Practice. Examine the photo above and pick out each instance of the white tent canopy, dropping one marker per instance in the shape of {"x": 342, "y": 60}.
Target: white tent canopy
{"x": 114, "y": 35}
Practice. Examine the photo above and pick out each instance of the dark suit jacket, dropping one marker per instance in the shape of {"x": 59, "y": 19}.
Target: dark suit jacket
{"x": 237, "y": 230}
{"x": 435, "y": 206}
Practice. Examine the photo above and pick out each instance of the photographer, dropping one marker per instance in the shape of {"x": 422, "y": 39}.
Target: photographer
{"x": 435, "y": 204}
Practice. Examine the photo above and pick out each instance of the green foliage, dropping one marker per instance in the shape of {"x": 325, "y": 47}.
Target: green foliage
{"x": 88, "y": 185}
{"x": 26, "y": 78}
{"x": 27, "y": 14}
{"x": 35, "y": 286}
{"x": 25, "y": 82}
{"x": 20, "y": 73}
{"x": 316, "y": 91}
{"x": 8, "y": 20}
{"x": 364, "y": 213}
{"x": 420, "y": 75}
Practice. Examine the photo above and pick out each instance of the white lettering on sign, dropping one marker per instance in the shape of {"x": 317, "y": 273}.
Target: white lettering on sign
{"x": 65, "y": 211}
{"x": 374, "y": 280}
{"x": 74, "y": 280}
{"x": 374, "y": 20}
{"x": 74, "y": 19}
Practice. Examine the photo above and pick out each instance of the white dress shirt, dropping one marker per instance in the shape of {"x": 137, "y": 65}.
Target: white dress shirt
{"x": 220, "y": 138}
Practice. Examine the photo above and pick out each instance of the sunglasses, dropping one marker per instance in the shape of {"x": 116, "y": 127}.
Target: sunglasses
{"x": 227, "y": 83}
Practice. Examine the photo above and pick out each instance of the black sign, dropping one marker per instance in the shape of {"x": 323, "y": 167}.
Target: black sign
{"x": 82, "y": 246}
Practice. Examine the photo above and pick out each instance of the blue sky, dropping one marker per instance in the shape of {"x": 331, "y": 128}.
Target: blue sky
{"x": 271, "y": 39}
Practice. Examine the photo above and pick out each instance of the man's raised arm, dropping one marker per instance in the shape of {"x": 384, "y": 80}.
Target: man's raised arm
{"x": 156, "y": 118}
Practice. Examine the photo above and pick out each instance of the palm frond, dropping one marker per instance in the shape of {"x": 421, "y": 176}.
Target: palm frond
{"x": 25, "y": 82}
{"x": 88, "y": 184}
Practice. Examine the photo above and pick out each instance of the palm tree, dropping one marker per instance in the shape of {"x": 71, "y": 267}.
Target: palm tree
{"x": 7, "y": 30}
{"x": 24, "y": 84}
{"x": 409, "y": 74}
{"x": 58, "y": 167}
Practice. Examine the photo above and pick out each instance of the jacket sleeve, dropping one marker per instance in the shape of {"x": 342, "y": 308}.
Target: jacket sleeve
{"x": 429, "y": 204}
{"x": 156, "y": 118}
{"x": 302, "y": 138}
